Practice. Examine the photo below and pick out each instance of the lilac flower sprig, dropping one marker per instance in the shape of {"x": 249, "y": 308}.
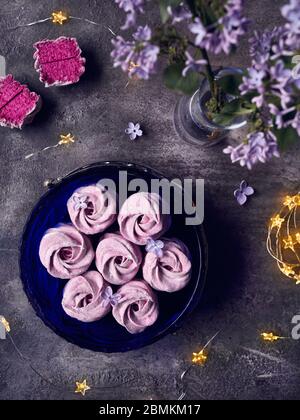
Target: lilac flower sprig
{"x": 223, "y": 34}
{"x": 131, "y": 8}
{"x": 275, "y": 94}
{"x": 137, "y": 57}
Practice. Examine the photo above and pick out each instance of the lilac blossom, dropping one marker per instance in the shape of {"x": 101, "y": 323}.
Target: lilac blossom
{"x": 192, "y": 64}
{"x": 131, "y": 7}
{"x": 254, "y": 81}
{"x": 280, "y": 115}
{"x": 138, "y": 57}
{"x": 80, "y": 202}
{"x": 261, "y": 146}
{"x": 296, "y": 123}
{"x": 199, "y": 30}
{"x": 291, "y": 12}
{"x": 243, "y": 192}
{"x": 109, "y": 297}
{"x": 134, "y": 130}
{"x": 156, "y": 247}
{"x": 223, "y": 34}
{"x": 179, "y": 13}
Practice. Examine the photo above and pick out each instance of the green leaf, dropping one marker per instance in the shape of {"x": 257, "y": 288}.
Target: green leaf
{"x": 174, "y": 80}
{"x": 286, "y": 137}
{"x": 230, "y": 84}
{"x": 233, "y": 109}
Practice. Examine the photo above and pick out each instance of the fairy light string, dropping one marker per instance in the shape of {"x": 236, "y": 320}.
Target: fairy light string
{"x": 60, "y": 17}
{"x": 65, "y": 140}
{"x": 283, "y": 241}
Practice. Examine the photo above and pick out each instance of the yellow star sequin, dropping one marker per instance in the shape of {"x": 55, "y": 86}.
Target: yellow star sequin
{"x": 270, "y": 337}
{"x": 276, "y": 221}
{"x": 66, "y": 139}
{"x": 199, "y": 358}
{"x": 298, "y": 237}
{"x": 290, "y": 202}
{"x": 289, "y": 243}
{"x": 297, "y": 278}
{"x": 81, "y": 388}
{"x": 59, "y": 17}
{"x": 297, "y": 200}
{"x": 5, "y": 323}
{"x": 286, "y": 270}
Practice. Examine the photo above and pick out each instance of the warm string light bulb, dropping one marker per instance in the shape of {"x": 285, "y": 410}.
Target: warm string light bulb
{"x": 283, "y": 242}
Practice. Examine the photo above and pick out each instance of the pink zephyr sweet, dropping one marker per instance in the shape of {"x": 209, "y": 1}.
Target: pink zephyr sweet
{"x": 83, "y": 297}
{"x": 18, "y": 105}
{"x": 91, "y": 209}
{"x": 59, "y": 61}
{"x": 137, "y": 307}
{"x": 117, "y": 259}
{"x": 171, "y": 271}
{"x": 65, "y": 252}
{"x": 140, "y": 218}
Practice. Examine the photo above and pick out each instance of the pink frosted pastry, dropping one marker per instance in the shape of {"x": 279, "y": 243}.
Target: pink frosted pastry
{"x": 65, "y": 252}
{"x": 59, "y": 61}
{"x": 140, "y": 218}
{"x": 91, "y": 209}
{"x": 137, "y": 306}
{"x": 167, "y": 266}
{"x": 84, "y": 299}
{"x": 18, "y": 105}
{"x": 117, "y": 259}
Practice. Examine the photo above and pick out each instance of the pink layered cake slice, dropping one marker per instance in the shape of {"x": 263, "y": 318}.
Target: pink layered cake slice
{"x": 59, "y": 61}
{"x": 17, "y": 103}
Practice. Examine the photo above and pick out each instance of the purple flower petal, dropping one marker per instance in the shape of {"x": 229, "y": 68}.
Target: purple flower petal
{"x": 241, "y": 197}
{"x": 248, "y": 191}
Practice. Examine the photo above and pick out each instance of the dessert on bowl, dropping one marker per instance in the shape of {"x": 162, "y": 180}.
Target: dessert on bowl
{"x": 167, "y": 266}
{"x": 92, "y": 209}
{"x": 83, "y": 297}
{"x": 117, "y": 259}
{"x": 65, "y": 252}
{"x": 141, "y": 218}
{"x": 137, "y": 306}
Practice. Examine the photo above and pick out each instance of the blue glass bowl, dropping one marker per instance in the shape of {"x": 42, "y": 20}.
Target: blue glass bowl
{"x": 45, "y": 292}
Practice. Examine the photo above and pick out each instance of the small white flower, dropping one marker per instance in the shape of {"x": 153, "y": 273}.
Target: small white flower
{"x": 80, "y": 202}
{"x": 133, "y": 131}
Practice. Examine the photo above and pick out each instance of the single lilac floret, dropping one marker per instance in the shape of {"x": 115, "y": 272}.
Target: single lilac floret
{"x": 243, "y": 192}
{"x": 156, "y": 247}
{"x": 133, "y": 131}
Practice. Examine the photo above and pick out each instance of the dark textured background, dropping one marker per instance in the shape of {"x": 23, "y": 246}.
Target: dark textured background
{"x": 246, "y": 293}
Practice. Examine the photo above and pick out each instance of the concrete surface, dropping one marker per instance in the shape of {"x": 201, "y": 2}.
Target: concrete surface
{"x": 246, "y": 294}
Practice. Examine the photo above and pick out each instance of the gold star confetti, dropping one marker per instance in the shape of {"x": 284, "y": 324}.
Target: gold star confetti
{"x": 66, "y": 139}
{"x": 132, "y": 66}
{"x": 5, "y": 323}
{"x": 270, "y": 337}
{"x": 289, "y": 243}
{"x": 289, "y": 202}
{"x": 199, "y": 358}
{"x": 81, "y": 388}
{"x": 287, "y": 270}
{"x": 59, "y": 17}
{"x": 297, "y": 278}
{"x": 276, "y": 221}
